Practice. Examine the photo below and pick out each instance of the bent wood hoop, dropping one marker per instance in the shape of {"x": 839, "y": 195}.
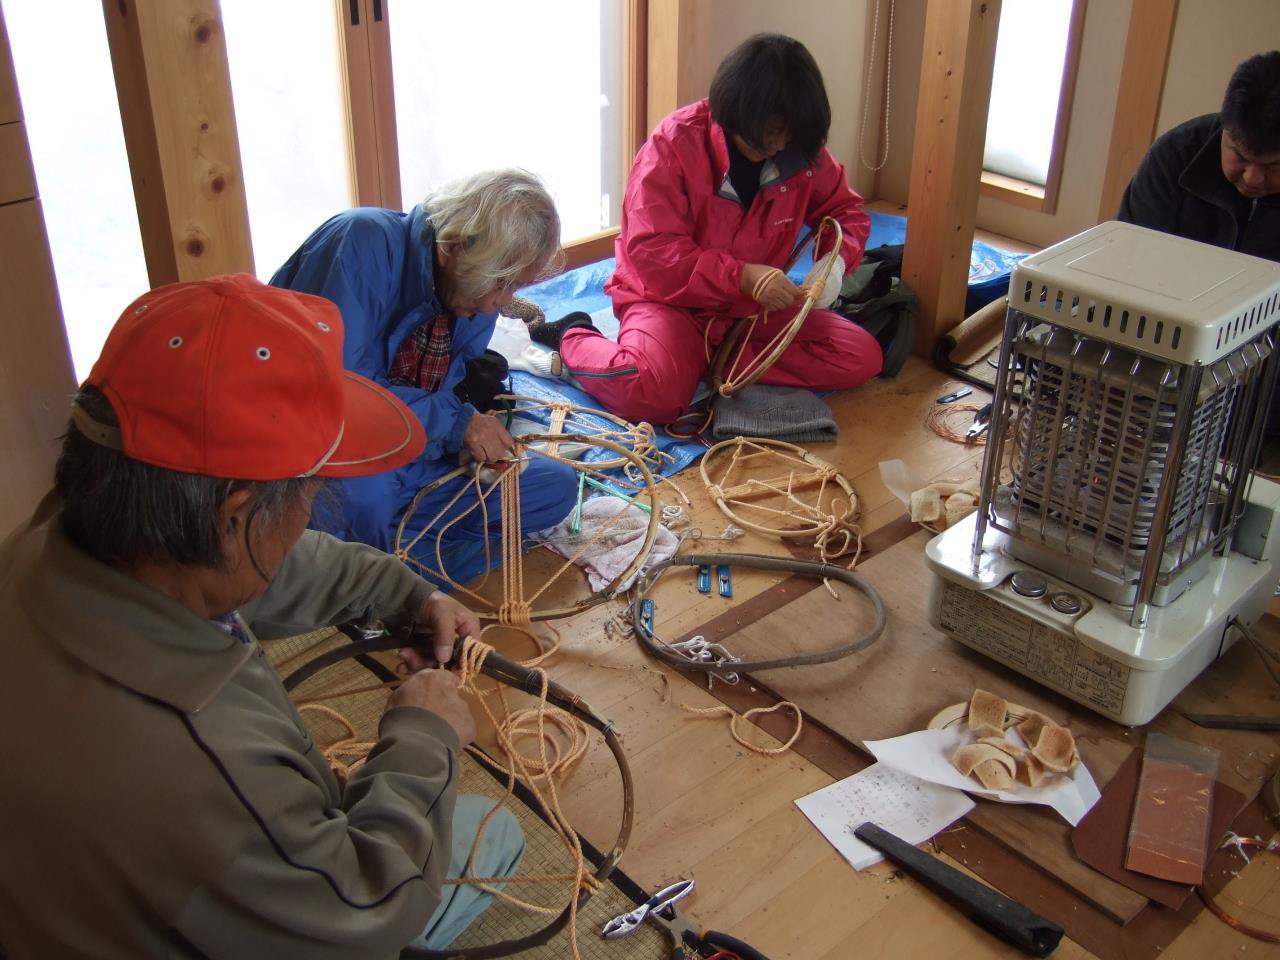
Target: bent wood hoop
{"x": 624, "y": 456}
{"x": 726, "y": 379}
{"x": 527, "y": 680}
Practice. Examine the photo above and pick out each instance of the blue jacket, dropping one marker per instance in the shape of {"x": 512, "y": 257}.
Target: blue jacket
{"x": 378, "y": 266}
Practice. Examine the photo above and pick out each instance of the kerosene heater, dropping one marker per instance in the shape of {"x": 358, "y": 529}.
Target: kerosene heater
{"x": 1121, "y": 530}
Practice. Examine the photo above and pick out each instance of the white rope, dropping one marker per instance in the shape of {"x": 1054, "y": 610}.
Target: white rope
{"x": 888, "y": 77}
{"x": 699, "y": 649}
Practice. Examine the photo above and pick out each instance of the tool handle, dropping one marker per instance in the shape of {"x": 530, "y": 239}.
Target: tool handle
{"x": 744, "y": 951}
{"x": 1227, "y": 721}
{"x": 1007, "y": 919}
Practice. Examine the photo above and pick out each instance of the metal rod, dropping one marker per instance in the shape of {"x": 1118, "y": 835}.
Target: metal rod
{"x": 1188, "y": 389}
{"x": 995, "y": 436}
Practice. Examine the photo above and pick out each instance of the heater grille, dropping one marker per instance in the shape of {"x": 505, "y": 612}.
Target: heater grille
{"x": 1111, "y": 454}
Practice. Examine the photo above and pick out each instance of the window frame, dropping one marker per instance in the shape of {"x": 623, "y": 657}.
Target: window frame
{"x": 1031, "y": 195}
{"x": 371, "y": 111}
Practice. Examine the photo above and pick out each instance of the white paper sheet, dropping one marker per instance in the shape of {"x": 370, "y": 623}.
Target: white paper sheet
{"x": 902, "y": 804}
{"x": 927, "y": 754}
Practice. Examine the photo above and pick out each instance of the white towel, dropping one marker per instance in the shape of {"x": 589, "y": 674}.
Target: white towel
{"x": 615, "y": 531}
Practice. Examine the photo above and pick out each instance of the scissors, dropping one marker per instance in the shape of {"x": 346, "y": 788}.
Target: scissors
{"x": 661, "y": 910}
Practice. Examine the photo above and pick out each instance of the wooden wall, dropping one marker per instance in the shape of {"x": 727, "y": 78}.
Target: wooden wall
{"x": 36, "y": 382}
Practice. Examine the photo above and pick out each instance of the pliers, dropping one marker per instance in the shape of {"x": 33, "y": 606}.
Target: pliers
{"x": 661, "y": 909}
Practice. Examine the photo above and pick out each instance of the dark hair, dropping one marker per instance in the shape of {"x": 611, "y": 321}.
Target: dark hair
{"x": 771, "y": 78}
{"x": 122, "y": 511}
{"x": 1251, "y": 107}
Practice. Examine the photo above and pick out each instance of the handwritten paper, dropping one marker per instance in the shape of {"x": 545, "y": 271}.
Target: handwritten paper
{"x": 911, "y": 808}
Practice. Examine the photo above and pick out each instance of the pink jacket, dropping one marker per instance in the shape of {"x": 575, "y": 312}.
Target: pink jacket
{"x": 685, "y": 236}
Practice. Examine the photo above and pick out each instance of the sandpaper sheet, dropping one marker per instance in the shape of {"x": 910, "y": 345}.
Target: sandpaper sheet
{"x": 1100, "y": 839}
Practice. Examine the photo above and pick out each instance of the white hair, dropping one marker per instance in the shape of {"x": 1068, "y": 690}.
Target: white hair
{"x": 499, "y": 225}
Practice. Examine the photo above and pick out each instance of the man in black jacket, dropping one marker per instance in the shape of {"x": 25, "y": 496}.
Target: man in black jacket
{"x": 1217, "y": 178}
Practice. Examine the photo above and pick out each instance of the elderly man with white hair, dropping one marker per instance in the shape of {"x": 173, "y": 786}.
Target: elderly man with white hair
{"x": 419, "y": 293}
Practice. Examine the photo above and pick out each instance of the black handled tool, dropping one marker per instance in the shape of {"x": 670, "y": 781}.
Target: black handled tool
{"x": 1231, "y": 721}
{"x": 1007, "y": 919}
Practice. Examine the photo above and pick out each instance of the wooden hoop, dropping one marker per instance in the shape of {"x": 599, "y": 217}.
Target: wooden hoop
{"x": 818, "y": 522}
{"x": 648, "y": 489}
{"x": 734, "y": 382}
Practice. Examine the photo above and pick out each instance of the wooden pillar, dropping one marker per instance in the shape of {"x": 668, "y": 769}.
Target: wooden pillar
{"x": 36, "y": 382}
{"x": 170, "y": 63}
{"x": 946, "y": 163}
{"x": 365, "y": 37}
{"x": 678, "y": 72}
{"x": 1146, "y": 54}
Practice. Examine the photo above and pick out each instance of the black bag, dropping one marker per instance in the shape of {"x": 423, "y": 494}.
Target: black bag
{"x": 485, "y": 378}
{"x": 875, "y": 297}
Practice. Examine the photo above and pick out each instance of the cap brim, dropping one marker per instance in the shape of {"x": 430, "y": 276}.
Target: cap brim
{"x": 380, "y": 433}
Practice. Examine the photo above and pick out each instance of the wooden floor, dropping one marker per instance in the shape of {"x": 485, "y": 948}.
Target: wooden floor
{"x": 708, "y": 808}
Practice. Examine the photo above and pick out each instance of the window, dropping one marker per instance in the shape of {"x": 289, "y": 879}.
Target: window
{"x": 496, "y": 83}
{"x": 290, "y": 120}
{"x": 1037, "y": 50}
{"x": 82, "y": 171}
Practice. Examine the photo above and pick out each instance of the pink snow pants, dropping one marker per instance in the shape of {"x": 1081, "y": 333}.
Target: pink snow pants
{"x": 651, "y": 373}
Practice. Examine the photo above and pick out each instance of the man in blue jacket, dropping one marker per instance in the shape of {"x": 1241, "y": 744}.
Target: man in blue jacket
{"x": 419, "y": 294}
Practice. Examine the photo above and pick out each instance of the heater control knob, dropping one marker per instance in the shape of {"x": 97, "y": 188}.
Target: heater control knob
{"x": 1067, "y": 603}
{"x": 1028, "y": 583}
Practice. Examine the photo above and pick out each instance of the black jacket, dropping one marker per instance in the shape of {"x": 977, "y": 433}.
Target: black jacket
{"x": 1180, "y": 189}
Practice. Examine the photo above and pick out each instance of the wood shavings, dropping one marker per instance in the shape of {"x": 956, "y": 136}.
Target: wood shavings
{"x": 987, "y": 713}
{"x": 997, "y": 762}
{"x": 944, "y": 503}
{"x": 1056, "y": 748}
{"x": 968, "y": 758}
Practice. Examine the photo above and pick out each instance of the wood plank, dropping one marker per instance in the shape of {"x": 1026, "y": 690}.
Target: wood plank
{"x": 1146, "y": 55}
{"x": 677, "y": 42}
{"x": 170, "y": 64}
{"x": 364, "y": 42}
{"x": 10, "y": 105}
{"x": 635, "y": 81}
{"x": 17, "y": 175}
{"x": 946, "y": 161}
{"x": 596, "y": 247}
{"x": 36, "y": 382}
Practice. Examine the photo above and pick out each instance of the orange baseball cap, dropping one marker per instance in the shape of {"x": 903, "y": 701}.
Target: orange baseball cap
{"x": 229, "y": 377}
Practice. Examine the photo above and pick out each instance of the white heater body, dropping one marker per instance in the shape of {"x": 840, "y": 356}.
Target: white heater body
{"x": 1120, "y": 529}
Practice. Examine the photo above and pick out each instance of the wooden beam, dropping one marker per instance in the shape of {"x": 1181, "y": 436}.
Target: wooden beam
{"x": 36, "y": 381}
{"x": 678, "y": 50}
{"x": 635, "y": 83}
{"x": 170, "y": 64}
{"x": 1146, "y": 55}
{"x": 946, "y": 162}
{"x": 374, "y": 154}
{"x": 10, "y": 107}
{"x": 596, "y": 247}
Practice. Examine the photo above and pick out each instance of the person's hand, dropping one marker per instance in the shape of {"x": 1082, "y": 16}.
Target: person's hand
{"x": 437, "y": 691}
{"x": 831, "y": 289}
{"x": 447, "y": 620}
{"x": 487, "y": 440}
{"x": 777, "y": 293}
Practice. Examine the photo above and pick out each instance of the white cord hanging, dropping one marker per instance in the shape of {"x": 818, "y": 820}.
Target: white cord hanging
{"x": 888, "y": 78}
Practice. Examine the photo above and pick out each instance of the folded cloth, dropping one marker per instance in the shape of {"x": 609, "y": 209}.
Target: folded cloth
{"x": 775, "y": 413}
{"x": 610, "y": 535}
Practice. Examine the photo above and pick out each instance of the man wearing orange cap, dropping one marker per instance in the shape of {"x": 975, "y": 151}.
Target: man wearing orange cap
{"x": 163, "y": 797}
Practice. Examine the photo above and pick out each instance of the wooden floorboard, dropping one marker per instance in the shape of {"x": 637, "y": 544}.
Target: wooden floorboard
{"x": 710, "y": 809}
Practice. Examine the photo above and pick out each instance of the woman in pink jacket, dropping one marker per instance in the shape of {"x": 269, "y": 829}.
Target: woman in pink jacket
{"x": 718, "y": 196}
